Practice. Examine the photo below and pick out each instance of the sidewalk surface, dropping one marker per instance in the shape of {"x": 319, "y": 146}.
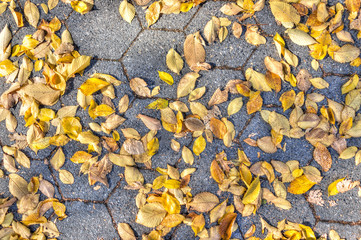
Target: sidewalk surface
{"x": 133, "y": 50}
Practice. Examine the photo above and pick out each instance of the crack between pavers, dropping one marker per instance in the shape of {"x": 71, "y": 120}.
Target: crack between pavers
{"x": 106, "y": 59}
{"x": 113, "y": 220}
{"x": 313, "y": 210}
{"x": 357, "y": 223}
{"x": 191, "y": 19}
{"x": 83, "y": 200}
{"x": 106, "y": 200}
{"x": 164, "y": 30}
{"x": 130, "y": 45}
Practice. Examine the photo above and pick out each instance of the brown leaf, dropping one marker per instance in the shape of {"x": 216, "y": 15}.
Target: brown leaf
{"x": 133, "y": 146}
{"x": 218, "y": 128}
{"x": 139, "y": 86}
{"x": 218, "y": 97}
{"x": 149, "y": 122}
{"x": 226, "y": 225}
{"x": 99, "y": 170}
{"x": 303, "y": 80}
{"x": 193, "y": 50}
{"x": 266, "y": 144}
{"x": 204, "y": 202}
{"x": 322, "y": 156}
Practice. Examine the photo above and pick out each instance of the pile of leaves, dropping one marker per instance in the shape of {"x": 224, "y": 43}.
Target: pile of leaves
{"x": 168, "y": 201}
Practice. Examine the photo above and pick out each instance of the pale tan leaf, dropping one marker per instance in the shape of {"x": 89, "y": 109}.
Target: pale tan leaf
{"x": 32, "y": 14}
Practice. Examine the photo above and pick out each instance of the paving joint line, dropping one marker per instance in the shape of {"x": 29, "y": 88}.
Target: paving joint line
{"x": 130, "y": 45}
{"x": 191, "y": 19}
{"x": 114, "y": 223}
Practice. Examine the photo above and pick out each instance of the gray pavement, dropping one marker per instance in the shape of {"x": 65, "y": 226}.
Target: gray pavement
{"x": 132, "y": 50}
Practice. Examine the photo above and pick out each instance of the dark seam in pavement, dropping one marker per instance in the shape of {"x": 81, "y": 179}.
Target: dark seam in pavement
{"x": 125, "y": 71}
{"x": 225, "y": 67}
{"x": 358, "y": 223}
{"x": 245, "y": 126}
{"x": 249, "y": 57}
{"x": 106, "y": 59}
{"x": 55, "y": 181}
{"x": 113, "y": 221}
{"x": 130, "y": 45}
{"x": 113, "y": 190}
{"x": 191, "y": 19}
{"x": 84, "y": 200}
{"x": 314, "y": 213}
{"x": 164, "y": 29}
{"x": 67, "y": 17}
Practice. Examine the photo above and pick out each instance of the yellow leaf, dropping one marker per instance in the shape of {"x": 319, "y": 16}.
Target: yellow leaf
{"x": 187, "y": 155}
{"x": 92, "y": 85}
{"x": 46, "y": 114}
{"x": 66, "y": 177}
{"x": 71, "y": 127}
{"x": 103, "y": 110}
{"x": 199, "y": 145}
{"x": 152, "y": 13}
{"x": 170, "y": 203}
{"x": 204, "y": 202}
{"x": 80, "y": 157}
{"x": 153, "y": 146}
{"x": 252, "y": 192}
{"x": 6, "y": 67}
{"x": 166, "y": 77}
{"x": 126, "y": 231}
{"x": 171, "y": 184}
{"x": 172, "y": 220}
{"x": 174, "y": 61}
{"x": 255, "y": 102}
{"x": 52, "y": 4}
{"x": 307, "y": 232}
{"x": 350, "y": 84}
{"x": 127, "y": 11}
{"x": 332, "y": 188}
{"x": 300, "y": 185}
{"x": 284, "y": 12}
{"x": 287, "y": 99}
{"x": 82, "y": 6}
{"x": 319, "y": 83}
{"x": 57, "y": 161}
{"x": 151, "y": 215}
{"x": 185, "y": 7}
{"x": 32, "y": 14}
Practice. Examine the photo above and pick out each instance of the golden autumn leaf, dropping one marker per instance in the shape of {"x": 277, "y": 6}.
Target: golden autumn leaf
{"x": 255, "y": 102}
{"x": 252, "y": 192}
{"x": 83, "y": 6}
{"x": 187, "y": 155}
{"x": 218, "y": 128}
{"x": 204, "y": 202}
{"x": 31, "y": 13}
{"x": 300, "y": 185}
{"x": 126, "y": 231}
{"x": 211, "y": 29}
{"x": 285, "y": 12}
{"x": 186, "y": 84}
{"x": 151, "y": 215}
{"x": 152, "y": 13}
{"x": 287, "y": 99}
{"x": 234, "y": 106}
{"x": 174, "y": 61}
{"x": 66, "y": 177}
{"x": 194, "y": 52}
{"x": 127, "y": 11}
{"x": 57, "y": 161}
{"x": 199, "y": 145}
{"x": 170, "y": 203}
{"x": 92, "y": 85}
{"x": 332, "y": 188}
{"x": 166, "y": 77}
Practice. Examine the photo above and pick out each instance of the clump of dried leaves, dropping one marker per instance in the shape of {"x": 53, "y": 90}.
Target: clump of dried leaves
{"x": 167, "y": 201}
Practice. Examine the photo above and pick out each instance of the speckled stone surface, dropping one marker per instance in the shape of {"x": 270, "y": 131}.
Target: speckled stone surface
{"x": 133, "y": 50}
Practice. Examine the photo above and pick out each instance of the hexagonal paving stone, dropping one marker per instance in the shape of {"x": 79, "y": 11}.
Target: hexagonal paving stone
{"x": 167, "y": 21}
{"x": 348, "y": 204}
{"x": 231, "y": 52}
{"x": 86, "y": 221}
{"x": 102, "y": 32}
{"x": 344, "y": 230}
